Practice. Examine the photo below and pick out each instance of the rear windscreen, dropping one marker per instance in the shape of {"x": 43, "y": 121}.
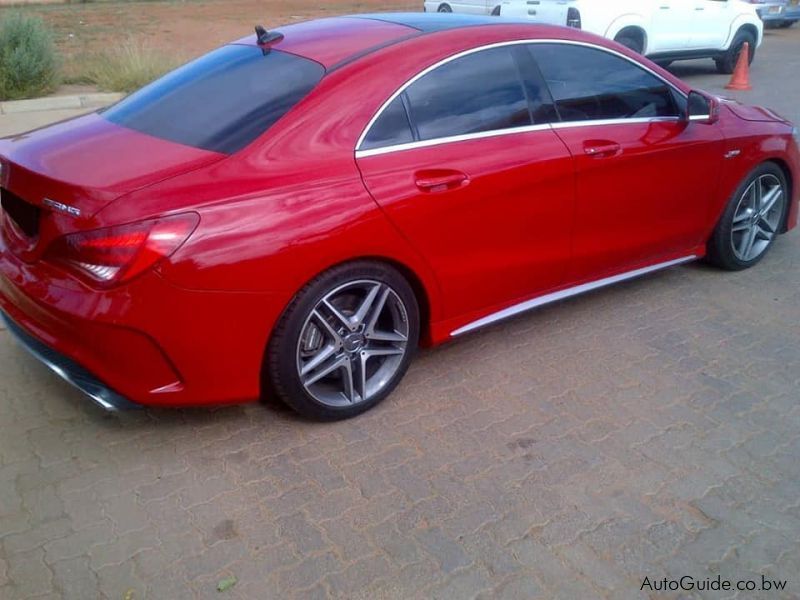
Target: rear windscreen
{"x": 222, "y": 101}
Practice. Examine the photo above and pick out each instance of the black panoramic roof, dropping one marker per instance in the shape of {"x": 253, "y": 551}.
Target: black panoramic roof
{"x": 431, "y": 22}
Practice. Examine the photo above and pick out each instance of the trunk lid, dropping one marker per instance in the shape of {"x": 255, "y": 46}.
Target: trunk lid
{"x": 55, "y": 179}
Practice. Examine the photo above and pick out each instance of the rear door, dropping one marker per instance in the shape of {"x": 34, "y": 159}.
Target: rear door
{"x": 670, "y": 26}
{"x": 711, "y": 24}
{"x": 475, "y": 7}
{"x": 645, "y": 177}
{"x": 465, "y": 164}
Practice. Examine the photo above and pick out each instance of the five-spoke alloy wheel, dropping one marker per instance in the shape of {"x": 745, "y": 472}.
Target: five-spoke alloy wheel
{"x": 753, "y": 218}
{"x": 345, "y": 341}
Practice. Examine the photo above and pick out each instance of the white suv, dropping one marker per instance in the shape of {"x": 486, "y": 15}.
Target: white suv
{"x": 662, "y": 30}
{"x": 473, "y": 7}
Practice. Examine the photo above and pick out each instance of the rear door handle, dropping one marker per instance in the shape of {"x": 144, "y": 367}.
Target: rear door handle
{"x": 440, "y": 180}
{"x": 601, "y": 148}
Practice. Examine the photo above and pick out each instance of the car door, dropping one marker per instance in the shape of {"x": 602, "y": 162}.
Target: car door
{"x": 475, "y": 7}
{"x": 711, "y": 24}
{"x": 551, "y": 12}
{"x": 670, "y": 25}
{"x": 645, "y": 177}
{"x": 464, "y": 163}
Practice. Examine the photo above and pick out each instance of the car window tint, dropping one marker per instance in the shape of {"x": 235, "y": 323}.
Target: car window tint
{"x": 475, "y": 93}
{"x": 222, "y": 101}
{"x": 391, "y": 128}
{"x": 588, "y": 84}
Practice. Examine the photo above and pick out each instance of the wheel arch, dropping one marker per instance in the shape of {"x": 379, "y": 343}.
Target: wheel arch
{"x": 787, "y": 173}
{"x": 629, "y": 24}
{"x": 743, "y": 25}
{"x": 425, "y": 296}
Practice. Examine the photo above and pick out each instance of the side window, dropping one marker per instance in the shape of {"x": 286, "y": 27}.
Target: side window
{"x": 391, "y": 128}
{"x": 472, "y": 94}
{"x": 588, "y": 84}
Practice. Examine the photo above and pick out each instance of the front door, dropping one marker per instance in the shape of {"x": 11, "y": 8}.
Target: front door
{"x": 645, "y": 177}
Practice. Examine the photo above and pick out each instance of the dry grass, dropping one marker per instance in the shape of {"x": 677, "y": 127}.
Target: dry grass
{"x": 126, "y": 67}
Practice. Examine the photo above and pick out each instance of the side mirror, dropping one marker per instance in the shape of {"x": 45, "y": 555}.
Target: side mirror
{"x": 701, "y": 108}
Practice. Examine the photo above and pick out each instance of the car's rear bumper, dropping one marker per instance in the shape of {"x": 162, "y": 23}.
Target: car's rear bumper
{"x": 68, "y": 369}
{"x": 149, "y": 343}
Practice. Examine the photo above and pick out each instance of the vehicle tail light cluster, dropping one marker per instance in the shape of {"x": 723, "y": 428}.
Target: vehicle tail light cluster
{"x": 573, "y": 18}
{"x": 107, "y": 257}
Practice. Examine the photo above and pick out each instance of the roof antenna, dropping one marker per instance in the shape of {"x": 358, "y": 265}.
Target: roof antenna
{"x": 265, "y": 37}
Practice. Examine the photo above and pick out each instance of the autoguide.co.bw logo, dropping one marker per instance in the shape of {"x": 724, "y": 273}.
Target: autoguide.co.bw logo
{"x": 689, "y": 583}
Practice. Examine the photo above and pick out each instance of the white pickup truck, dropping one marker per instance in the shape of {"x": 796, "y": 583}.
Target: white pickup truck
{"x": 662, "y": 30}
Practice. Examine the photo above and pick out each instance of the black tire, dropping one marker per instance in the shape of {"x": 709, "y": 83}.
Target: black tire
{"x": 281, "y": 367}
{"x": 720, "y": 250}
{"x": 727, "y": 63}
{"x": 496, "y": 11}
{"x": 444, "y": 8}
{"x": 787, "y": 24}
{"x": 630, "y": 41}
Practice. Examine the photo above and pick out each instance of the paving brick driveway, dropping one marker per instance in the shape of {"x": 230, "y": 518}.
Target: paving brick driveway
{"x": 652, "y": 429}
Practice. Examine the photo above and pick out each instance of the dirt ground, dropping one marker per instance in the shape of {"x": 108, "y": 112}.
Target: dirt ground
{"x": 184, "y": 28}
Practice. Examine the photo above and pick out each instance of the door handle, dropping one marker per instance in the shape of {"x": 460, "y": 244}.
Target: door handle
{"x": 440, "y": 180}
{"x": 601, "y": 148}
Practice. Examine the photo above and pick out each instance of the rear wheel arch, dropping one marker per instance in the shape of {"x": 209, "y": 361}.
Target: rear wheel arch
{"x": 635, "y": 33}
{"x": 422, "y": 292}
{"x": 749, "y": 28}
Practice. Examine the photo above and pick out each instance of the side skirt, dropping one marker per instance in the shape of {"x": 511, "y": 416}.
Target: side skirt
{"x": 566, "y": 293}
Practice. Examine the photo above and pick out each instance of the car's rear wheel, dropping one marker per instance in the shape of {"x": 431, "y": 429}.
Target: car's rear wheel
{"x": 496, "y": 11}
{"x": 444, "y": 8}
{"x": 751, "y": 221}
{"x": 345, "y": 341}
{"x": 727, "y": 63}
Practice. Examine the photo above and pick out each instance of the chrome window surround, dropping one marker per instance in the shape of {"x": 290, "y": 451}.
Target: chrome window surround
{"x": 498, "y": 132}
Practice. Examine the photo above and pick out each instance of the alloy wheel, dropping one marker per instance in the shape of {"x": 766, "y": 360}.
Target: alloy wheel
{"x": 757, "y": 217}
{"x": 352, "y": 343}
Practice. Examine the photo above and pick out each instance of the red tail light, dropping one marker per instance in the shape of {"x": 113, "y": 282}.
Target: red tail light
{"x": 107, "y": 257}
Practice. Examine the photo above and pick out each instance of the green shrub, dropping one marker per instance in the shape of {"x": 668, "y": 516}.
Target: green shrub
{"x": 28, "y": 61}
{"x": 126, "y": 67}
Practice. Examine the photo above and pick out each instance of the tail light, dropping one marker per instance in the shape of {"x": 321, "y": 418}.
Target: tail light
{"x": 573, "y": 18}
{"x": 110, "y": 256}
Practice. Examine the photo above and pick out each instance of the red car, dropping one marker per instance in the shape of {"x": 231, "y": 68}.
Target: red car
{"x": 294, "y": 213}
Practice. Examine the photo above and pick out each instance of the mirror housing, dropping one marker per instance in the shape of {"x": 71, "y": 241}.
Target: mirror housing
{"x": 701, "y": 108}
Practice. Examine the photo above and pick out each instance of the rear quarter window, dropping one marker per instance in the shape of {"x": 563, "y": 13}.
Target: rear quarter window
{"x": 222, "y": 101}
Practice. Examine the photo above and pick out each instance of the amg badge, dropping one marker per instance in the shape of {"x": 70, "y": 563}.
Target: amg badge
{"x": 60, "y": 207}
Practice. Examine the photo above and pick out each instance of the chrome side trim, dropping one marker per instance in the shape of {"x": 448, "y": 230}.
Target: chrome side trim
{"x": 68, "y": 370}
{"x": 590, "y": 123}
{"x": 567, "y": 293}
{"x": 444, "y": 61}
{"x": 450, "y": 140}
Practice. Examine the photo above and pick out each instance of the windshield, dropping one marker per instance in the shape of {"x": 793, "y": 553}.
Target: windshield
{"x": 222, "y": 101}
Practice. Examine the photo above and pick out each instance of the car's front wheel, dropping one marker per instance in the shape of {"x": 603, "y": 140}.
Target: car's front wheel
{"x": 445, "y": 8}
{"x": 727, "y": 62}
{"x": 751, "y": 221}
{"x": 345, "y": 341}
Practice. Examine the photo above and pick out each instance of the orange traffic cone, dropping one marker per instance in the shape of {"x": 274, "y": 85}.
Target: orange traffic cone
{"x": 741, "y": 74}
